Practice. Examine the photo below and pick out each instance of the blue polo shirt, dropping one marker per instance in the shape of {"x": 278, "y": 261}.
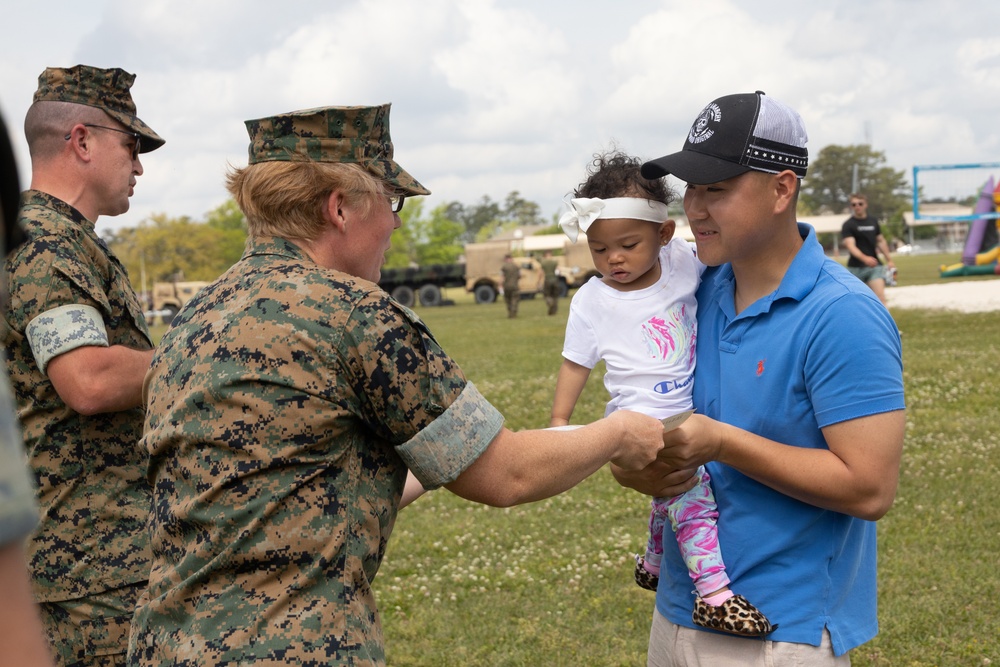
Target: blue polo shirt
{"x": 819, "y": 350}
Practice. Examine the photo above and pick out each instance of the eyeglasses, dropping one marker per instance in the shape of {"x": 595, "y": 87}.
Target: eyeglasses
{"x": 134, "y": 135}
{"x": 396, "y": 202}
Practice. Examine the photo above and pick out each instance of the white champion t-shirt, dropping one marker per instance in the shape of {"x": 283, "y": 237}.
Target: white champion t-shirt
{"x": 645, "y": 337}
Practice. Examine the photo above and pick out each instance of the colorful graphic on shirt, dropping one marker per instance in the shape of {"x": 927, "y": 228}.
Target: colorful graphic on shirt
{"x": 671, "y": 337}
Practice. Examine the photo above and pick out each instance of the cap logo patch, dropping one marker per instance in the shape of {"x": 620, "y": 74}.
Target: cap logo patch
{"x": 701, "y": 130}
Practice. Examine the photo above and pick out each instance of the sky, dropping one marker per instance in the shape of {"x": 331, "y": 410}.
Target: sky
{"x": 493, "y": 96}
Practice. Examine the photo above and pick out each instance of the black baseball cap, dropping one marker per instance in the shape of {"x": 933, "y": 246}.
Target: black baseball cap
{"x": 736, "y": 134}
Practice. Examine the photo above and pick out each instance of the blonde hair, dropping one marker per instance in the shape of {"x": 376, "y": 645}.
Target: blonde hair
{"x": 286, "y": 199}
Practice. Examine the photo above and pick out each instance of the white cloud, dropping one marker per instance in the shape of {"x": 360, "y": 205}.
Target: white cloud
{"x": 509, "y": 69}
{"x": 491, "y": 96}
{"x": 979, "y": 63}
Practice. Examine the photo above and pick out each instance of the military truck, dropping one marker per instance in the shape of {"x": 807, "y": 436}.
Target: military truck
{"x": 484, "y": 279}
{"x": 423, "y": 282}
{"x": 168, "y": 297}
{"x": 480, "y": 273}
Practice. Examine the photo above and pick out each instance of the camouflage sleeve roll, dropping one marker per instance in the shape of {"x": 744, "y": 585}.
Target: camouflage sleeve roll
{"x": 63, "y": 329}
{"x": 453, "y": 441}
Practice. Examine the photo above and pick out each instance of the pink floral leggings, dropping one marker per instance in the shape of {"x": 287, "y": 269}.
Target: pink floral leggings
{"x": 692, "y": 517}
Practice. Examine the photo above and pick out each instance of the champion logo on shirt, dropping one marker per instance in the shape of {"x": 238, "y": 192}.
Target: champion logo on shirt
{"x": 760, "y": 367}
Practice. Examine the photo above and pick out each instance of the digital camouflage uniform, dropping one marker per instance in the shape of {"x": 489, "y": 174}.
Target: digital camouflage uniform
{"x": 89, "y": 554}
{"x": 284, "y": 407}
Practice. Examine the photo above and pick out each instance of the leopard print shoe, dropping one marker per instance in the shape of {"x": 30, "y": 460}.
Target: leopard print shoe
{"x": 644, "y": 577}
{"x": 735, "y": 616}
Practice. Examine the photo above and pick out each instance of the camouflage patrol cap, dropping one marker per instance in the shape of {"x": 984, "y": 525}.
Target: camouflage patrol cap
{"x": 358, "y": 135}
{"x": 106, "y": 89}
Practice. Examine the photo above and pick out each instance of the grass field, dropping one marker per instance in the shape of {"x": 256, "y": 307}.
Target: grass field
{"x": 550, "y": 583}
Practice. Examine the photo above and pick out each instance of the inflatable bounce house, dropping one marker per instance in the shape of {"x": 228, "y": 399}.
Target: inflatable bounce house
{"x": 982, "y": 245}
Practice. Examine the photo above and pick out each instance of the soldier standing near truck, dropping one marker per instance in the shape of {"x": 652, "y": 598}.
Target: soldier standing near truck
{"x": 511, "y": 289}
{"x": 550, "y": 286}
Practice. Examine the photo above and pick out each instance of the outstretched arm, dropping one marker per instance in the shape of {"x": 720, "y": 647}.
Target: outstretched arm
{"x": 858, "y": 474}
{"x": 569, "y": 385}
{"x": 531, "y": 465}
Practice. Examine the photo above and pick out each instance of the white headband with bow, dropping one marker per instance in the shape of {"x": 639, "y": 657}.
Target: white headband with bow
{"x": 583, "y": 212}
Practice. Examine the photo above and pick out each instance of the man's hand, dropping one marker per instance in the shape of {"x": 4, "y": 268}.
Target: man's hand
{"x": 695, "y": 442}
{"x": 657, "y": 479}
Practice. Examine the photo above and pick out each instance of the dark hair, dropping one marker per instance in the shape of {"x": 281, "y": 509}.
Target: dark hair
{"x": 10, "y": 192}
{"x": 616, "y": 174}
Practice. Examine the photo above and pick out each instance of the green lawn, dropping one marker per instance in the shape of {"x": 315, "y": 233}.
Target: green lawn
{"x": 550, "y": 583}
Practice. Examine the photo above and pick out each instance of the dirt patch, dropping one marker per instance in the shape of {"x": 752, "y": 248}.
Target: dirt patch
{"x": 967, "y": 296}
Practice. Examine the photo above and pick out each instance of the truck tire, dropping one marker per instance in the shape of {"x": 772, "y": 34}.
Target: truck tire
{"x": 404, "y": 295}
{"x": 430, "y": 295}
{"x": 485, "y": 294}
{"x": 563, "y": 289}
{"x": 168, "y": 314}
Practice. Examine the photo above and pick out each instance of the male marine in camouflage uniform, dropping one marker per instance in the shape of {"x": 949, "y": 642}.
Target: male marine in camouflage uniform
{"x": 77, "y": 350}
{"x": 287, "y": 402}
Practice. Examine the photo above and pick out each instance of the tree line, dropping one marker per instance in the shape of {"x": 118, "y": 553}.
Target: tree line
{"x": 164, "y": 248}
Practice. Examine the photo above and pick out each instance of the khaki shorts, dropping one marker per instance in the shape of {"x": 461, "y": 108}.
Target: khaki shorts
{"x": 868, "y": 273}
{"x": 673, "y": 645}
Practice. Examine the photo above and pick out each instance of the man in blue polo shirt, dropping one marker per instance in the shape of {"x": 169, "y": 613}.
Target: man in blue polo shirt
{"x": 803, "y": 442}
